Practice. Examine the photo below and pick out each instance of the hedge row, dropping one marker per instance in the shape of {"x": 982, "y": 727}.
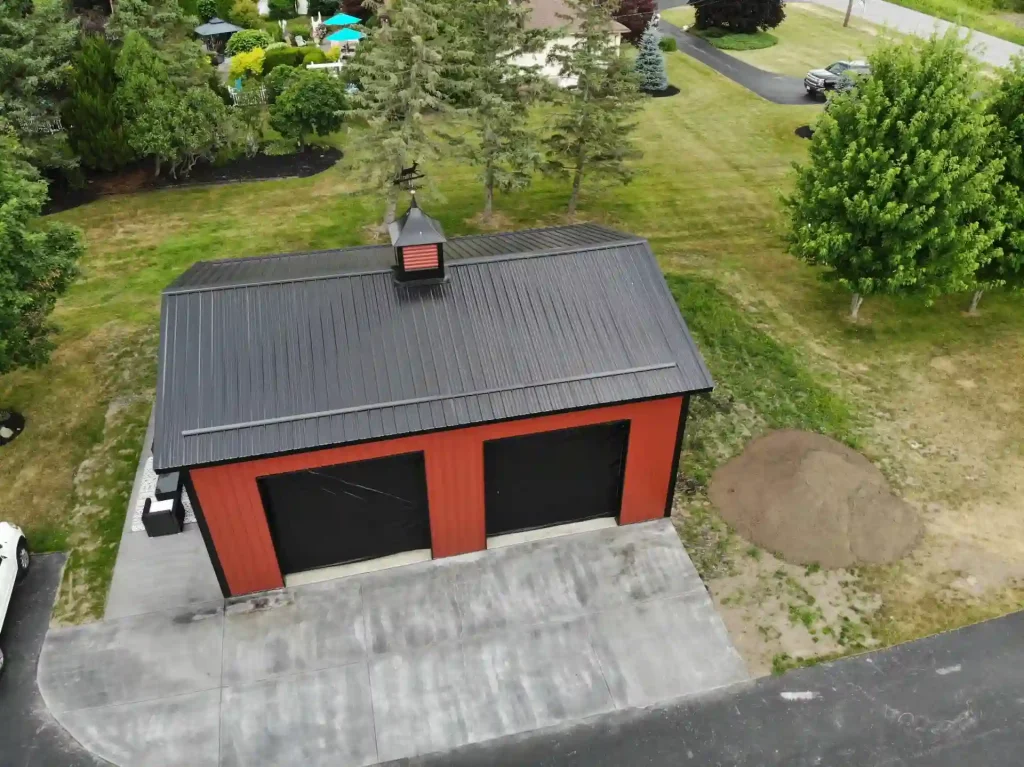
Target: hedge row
{"x": 292, "y": 57}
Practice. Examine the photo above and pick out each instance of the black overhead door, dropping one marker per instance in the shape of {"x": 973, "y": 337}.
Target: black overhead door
{"x": 555, "y": 477}
{"x": 348, "y": 512}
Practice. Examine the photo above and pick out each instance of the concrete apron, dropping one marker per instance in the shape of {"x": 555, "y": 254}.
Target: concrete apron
{"x": 392, "y": 664}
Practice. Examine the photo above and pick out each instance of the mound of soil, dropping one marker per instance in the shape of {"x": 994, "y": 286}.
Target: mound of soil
{"x": 139, "y": 177}
{"x": 812, "y": 500}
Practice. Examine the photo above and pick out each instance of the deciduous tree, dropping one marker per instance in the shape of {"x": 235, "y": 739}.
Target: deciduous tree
{"x": 1006, "y": 269}
{"x": 744, "y": 16}
{"x": 595, "y": 119}
{"x": 312, "y": 103}
{"x": 636, "y": 15}
{"x": 403, "y": 71}
{"x": 37, "y": 260}
{"x": 898, "y": 195}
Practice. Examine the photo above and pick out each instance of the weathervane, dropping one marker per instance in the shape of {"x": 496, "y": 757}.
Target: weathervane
{"x": 407, "y": 176}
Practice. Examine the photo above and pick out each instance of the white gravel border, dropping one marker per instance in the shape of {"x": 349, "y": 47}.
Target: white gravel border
{"x": 146, "y": 489}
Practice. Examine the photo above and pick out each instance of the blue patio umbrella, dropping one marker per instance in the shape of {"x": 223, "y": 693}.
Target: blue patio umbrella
{"x": 345, "y": 36}
{"x": 341, "y": 20}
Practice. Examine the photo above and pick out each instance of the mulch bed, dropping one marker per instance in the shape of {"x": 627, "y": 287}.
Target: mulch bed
{"x": 138, "y": 177}
{"x": 13, "y": 424}
{"x": 669, "y": 91}
{"x": 804, "y": 131}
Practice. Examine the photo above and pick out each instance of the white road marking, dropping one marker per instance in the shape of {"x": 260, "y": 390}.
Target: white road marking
{"x": 948, "y": 670}
{"x": 808, "y": 695}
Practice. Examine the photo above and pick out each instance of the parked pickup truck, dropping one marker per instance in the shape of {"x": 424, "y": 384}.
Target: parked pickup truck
{"x": 835, "y": 77}
{"x": 14, "y": 563}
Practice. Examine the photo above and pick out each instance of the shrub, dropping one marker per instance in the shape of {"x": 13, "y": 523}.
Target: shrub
{"x": 282, "y": 9}
{"x": 743, "y": 16}
{"x": 247, "y": 63}
{"x": 333, "y": 54}
{"x": 668, "y": 44}
{"x": 314, "y": 56}
{"x": 244, "y": 13}
{"x": 275, "y": 45}
{"x": 326, "y": 7}
{"x": 247, "y": 40}
{"x": 277, "y": 80}
{"x": 206, "y": 9}
{"x": 287, "y": 56}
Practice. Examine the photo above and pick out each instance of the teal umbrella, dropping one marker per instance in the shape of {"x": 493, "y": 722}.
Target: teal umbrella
{"x": 345, "y": 36}
{"x": 341, "y": 20}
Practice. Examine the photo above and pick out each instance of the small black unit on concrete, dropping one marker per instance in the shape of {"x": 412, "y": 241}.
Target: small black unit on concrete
{"x": 165, "y": 517}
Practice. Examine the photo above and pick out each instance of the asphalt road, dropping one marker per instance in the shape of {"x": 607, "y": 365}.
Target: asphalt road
{"x": 779, "y": 89}
{"x": 29, "y": 736}
{"x": 947, "y": 701}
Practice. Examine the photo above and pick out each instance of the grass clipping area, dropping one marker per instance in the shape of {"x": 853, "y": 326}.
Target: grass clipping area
{"x": 736, "y": 41}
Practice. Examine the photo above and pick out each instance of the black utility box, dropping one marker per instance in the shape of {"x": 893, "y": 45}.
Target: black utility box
{"x": 163, "y": 517}
{"x": 168, "y": 486}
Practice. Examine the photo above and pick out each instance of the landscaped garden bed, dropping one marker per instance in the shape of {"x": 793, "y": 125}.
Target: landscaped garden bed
{"x": 139, "y": 177}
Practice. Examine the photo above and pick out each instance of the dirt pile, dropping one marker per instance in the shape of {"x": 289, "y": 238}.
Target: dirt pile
{"x": 812, "y": 500}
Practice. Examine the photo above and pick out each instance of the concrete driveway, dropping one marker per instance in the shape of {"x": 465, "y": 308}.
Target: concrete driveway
{"x": 393, "y": 664}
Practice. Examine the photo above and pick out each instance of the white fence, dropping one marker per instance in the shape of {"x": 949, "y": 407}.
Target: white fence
{"x": 246, "y": 98}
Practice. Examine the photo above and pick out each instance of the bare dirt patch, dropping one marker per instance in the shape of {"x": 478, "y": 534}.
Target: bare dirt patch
{"x": 812, "y": 500}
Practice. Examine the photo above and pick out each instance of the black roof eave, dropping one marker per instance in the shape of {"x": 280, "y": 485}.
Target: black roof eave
{"x": 246, "y": 459}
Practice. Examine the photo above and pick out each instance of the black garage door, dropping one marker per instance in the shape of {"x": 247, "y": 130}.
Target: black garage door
{"x": 555, "y": 477}
{"x": 348, "y": 512}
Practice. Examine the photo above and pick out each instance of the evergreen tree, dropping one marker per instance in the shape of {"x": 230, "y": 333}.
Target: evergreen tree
{"x": 37, "y": 41}
{"x": 403, "y": 71}
{"x": 1006, "y": 269}
{"x": 595, "y": 118}
{"x": 743, "y": 16}
{"x": 168, "y": 30}
{"x": 898, "y": 196}
{"x": 37, "y": 260}
{"x": 91, "y": 117}
{"x": 503, "y": 146}
{"x": 650, "y": 63}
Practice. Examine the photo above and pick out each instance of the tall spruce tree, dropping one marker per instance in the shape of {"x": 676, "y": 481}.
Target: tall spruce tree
{"x": 502, "y": 146}
{"x": 898, "y": 196}
{"x": 1006, "y": 269}
{"x": 595, "y": 118}
{"x": 404, "y": 70}
{"x": 168, "y": 29}
{"x": 650, "y": 63}
{"x": 37, "y": 41}
{"x": 37, "y": 260}
{"x": 91, "y": 116}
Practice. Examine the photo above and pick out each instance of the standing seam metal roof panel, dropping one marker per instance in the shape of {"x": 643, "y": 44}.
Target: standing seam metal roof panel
{"x": 250, "y": 369}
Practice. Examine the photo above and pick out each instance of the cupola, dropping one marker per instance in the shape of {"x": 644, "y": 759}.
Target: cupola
{"x": 418, "y": 241}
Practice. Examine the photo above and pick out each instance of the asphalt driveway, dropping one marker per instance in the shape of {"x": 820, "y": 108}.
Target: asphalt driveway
{"x": 29, "y": 735}
{"x": 398, "y": 663}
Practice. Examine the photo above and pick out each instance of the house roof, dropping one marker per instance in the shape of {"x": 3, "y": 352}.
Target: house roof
{"x": 547, "y": 14}
{"x": 276, "y": 354}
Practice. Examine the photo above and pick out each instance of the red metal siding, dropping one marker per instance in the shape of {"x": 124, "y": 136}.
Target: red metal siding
{"x": 231, "y": 502}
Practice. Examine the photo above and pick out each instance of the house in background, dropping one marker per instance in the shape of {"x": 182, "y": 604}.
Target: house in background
{"x": 547, "y": 14}
{"x": 420, "y": 399}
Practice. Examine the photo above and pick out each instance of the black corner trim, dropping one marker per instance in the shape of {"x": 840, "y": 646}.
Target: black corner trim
{"x": 684, "y": 413}
{"x": 197, "y": 507}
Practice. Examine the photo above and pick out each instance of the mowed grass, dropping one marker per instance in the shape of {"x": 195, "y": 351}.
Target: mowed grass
{"x": 706, "y": 194}
{"x": 811, "y": 37}
{"x": 981, "y": 15}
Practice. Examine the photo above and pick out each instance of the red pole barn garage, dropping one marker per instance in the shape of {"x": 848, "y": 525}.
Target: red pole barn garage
{"x": 344, "y": 405}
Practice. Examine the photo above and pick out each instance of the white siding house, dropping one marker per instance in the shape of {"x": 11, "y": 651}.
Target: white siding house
{"x": 546, "y": 14}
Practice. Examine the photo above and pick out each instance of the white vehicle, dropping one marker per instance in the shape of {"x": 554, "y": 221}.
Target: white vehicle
{"x": 14, "y": 563}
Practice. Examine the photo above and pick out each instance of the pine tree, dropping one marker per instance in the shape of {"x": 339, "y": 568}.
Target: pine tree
{"x": 1006, "y": 269}
{"x": 37, "y": 41}
{"x": 168, "y": 29}
{"x": 91, "y": 117}
{"x": 899, "y": 194}
{"x": 595, "y": 119}
{"x": 403, "y": 70}
{"x": 650, "y": 63}
{"x": 503, "y": 147}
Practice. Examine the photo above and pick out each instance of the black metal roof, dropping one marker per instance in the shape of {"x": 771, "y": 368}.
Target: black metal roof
{"x": 276, "y": 354}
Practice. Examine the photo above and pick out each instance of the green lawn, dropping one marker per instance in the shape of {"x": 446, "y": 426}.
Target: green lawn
{"x": 981, "y": 15}
{"x": 706, "y": 194}
{"x": 811, "y": 37}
